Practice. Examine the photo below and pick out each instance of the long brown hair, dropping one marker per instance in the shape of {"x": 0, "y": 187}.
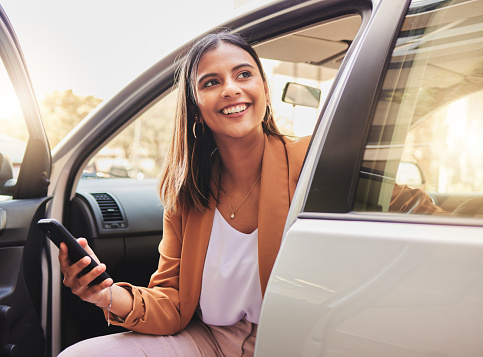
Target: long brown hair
{"x": 187, "y": 172}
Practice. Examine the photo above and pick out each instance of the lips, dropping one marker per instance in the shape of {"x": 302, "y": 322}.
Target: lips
{"x": 235, "y": 109}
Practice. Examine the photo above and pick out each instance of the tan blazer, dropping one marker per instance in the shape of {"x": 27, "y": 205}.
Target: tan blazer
{"x": 168, "y": 304}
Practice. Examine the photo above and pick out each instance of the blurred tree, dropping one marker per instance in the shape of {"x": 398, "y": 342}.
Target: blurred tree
{"x": 147, "y": 139}
{"x": 62, "y": 110}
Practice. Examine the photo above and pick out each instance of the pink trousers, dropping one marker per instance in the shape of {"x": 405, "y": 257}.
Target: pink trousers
{"x": 197, "y": 339}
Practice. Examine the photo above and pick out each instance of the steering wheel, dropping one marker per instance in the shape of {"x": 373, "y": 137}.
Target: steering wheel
{"x": 470, "y": 208}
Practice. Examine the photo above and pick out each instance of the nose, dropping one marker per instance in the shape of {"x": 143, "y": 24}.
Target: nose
{"x": 230, "y": 89}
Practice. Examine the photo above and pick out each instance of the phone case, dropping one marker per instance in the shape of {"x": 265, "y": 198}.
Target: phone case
{"x": 57, "y": 233}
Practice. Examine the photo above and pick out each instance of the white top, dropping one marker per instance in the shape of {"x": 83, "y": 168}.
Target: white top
{"x": 230, "y": 288}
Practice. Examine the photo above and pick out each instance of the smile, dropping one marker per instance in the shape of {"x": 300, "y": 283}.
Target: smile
{"x": 235, "y": 109}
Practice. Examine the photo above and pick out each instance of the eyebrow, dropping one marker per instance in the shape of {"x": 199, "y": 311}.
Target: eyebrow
{"x": 241, "y": 65}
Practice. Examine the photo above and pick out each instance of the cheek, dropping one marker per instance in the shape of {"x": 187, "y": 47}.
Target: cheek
{"x": 205, "y": 102}
{"x": 201, "y": 105}
{"x": 263, "y": 93}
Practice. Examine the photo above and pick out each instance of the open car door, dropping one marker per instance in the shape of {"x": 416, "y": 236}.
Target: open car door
{"x": 24, "y": 177}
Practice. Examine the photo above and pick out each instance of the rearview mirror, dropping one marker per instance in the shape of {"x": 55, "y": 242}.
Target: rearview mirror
{"x": 299, "y": 94}
{"x": 409, "y": 174}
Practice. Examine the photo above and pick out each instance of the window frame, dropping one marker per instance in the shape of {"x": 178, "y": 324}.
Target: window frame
{"x": 339, "y": 138}
{"x": 35, "y": 169}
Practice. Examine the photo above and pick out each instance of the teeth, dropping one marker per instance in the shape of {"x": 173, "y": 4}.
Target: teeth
{"x": 235, "y": 109}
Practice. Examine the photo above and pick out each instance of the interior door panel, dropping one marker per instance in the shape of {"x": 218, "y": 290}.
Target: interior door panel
{"x": 20, "y": 279}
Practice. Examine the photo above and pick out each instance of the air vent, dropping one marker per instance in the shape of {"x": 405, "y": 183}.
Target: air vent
{"x": 110, "y": 210}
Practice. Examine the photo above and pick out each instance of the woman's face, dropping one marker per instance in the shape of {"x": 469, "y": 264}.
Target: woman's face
{"x": 231, "y": 94}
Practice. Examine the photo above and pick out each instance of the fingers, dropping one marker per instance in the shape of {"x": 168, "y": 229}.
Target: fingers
{"x": 64, "y": 252}
{"x": 78, "y": 281}
{"x": 71, "y": 273}
{"x": 74, "y": 268}
{"x": 79, "y": 285}
{"x": 82, "y": 242}
{"x": 96, "y": 294}
{"x": 63, "y": 256}
{"x": 91, "y": 275}
{"x": 88, "y": 249}
{"x": 91, "y": 293}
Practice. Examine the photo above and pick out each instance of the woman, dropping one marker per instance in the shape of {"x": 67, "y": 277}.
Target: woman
{"x": 226, "y": 185}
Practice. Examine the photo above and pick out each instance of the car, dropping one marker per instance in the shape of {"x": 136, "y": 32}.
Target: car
{"x": 382, "y": 252}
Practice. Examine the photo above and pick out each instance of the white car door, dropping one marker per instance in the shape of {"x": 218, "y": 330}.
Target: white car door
{"x": 376, "y": 261}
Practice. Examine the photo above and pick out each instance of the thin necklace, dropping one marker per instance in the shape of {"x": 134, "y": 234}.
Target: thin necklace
{"x": 234, "y": 211}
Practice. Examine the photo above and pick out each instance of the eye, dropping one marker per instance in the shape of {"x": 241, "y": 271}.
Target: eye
{"x": 210, "y": 83}
{"x": 245, "y": 74}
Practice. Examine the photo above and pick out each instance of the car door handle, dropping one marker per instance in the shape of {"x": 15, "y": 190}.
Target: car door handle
{"x": 3, "y": 220}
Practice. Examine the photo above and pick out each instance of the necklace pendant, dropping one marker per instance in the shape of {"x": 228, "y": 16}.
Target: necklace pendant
{"x": 232, "y": 216}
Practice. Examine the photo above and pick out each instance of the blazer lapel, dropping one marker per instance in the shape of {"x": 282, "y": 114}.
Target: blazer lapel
{"x": 274, "y": 202}
{"x": 195, "y": 244}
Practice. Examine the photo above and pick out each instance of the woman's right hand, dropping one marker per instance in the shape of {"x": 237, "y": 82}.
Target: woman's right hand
{"x": 98, "y": 294}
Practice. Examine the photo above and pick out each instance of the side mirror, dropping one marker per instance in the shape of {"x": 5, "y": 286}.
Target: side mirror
{"x": 299, "y": 94}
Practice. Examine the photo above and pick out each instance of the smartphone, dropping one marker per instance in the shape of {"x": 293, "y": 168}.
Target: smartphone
{"x": 57, "y": 233}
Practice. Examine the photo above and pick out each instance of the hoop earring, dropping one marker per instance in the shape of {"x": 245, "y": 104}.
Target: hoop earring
{"x": 202, "y": 131}
{"x": 268, "y": 114}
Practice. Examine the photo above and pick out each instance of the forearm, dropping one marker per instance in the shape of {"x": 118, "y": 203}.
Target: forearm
{"x": 155, "y": 311}
{"x": 117, "y": 300}
{"x": 122, "y": 302}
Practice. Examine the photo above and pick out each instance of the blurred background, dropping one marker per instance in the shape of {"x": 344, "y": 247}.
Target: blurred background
{"x": 80, "y": 53}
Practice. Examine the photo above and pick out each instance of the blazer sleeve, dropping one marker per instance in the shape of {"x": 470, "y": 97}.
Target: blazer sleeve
{"x": 156, "y": 308}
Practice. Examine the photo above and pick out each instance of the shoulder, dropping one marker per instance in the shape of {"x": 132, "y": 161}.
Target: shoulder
{"x": 297, "y": 145}
{"x": 296, "y": 148}
{"x": 292, "y": 144}
{"x": 174, "y": 222}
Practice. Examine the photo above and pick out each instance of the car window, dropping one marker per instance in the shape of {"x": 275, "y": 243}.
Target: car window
{"x": 309, "y": 58}
{"x": 296, "y": 119}
{"x": 13, "y": 134}
{"x": 424, "y": 152}
{"x": 139, "y": 150}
